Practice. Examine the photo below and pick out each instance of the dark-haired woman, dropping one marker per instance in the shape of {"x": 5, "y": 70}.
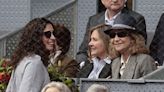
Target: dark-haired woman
{"x": 59, "y": 59}
{"x": 31, "y": 57}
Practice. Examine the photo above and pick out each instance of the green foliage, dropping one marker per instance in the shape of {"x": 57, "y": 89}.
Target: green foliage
{"x": 56, "y": 76}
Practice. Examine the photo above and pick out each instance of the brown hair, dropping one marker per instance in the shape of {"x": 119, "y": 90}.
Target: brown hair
{"x": 138, "y": 44}
{"x": 63, "y": 37}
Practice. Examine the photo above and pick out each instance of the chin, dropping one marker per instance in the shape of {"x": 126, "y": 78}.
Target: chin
{"x": 50, "y": 48}
{"x": 115, "y": 8}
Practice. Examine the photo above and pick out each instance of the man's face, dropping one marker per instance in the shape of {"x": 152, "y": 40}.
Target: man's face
{"x": 113, "y": 5}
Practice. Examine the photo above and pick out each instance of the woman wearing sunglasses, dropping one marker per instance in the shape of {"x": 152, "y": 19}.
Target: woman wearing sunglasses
{"x": 31, "y": 56}
{"x": 100, "y": 55}
{"x": 134, "y": 61}
{"x": 59, "y": 60}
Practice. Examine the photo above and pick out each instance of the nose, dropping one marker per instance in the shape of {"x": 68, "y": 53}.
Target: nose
{"x": 90, "y": 43}
{"x": 52, "y": 36}
{"x": 116, "y": 38}
{"x": 114, "y": 0}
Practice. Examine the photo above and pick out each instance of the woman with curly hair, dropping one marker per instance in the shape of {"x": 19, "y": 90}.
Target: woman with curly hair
{"x": 134, "y": 61}
{"x": 31, "y": 57}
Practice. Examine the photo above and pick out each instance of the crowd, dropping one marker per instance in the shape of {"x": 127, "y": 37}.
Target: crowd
{"x": 114, "y": 47}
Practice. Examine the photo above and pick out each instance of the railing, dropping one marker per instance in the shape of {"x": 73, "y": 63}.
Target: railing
{"x": 128, "y": 85}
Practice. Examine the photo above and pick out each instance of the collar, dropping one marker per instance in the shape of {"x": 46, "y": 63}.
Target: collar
{"x": 53, "y": 56}
{"x": 122, "y": 60}
{"x": 106, "y": 60}
{"x": 107, "y": 20}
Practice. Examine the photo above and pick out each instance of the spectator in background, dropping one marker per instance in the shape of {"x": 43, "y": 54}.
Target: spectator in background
{"x": 100, "y": 55}
{"x": 60, "y": 61}
{"x": 156, "y": 46}
{"x": 97, "y": 88}
{"x": 134, "y": 61}
{"x": 31, "y": 56}
{"x": 56, "y": 87}
{"x": 113, "y": 9}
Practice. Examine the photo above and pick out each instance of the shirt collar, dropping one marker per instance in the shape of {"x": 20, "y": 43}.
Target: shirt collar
{"x": 122, "y": 60}
{"x": 106, "y": 60}
{"x": 107, "y": 20}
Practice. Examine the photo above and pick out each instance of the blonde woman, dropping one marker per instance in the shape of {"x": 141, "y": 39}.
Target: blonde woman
{"x": 100, "y": 55}
{"x": 134, "y": 61}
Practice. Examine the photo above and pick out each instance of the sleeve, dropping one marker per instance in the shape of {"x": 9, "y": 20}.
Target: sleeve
{"x": 33, "y": 78}
{"x": 141, "y": 26}
{"x": 155, "y": 46}
{"x": 82, "y": 53}
{"x": 148, "y": 65}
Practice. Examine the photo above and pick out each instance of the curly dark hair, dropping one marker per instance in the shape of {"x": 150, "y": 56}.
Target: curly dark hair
{"x": 31, "y": 42}
{"x": 63, "y": 37}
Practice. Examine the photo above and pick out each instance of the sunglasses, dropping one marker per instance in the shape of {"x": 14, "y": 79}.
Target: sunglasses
{"x": 49, "y": 33}
{"x": 119, "y": 34}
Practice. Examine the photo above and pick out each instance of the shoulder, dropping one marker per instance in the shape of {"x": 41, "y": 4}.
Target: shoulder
{"x": 116, "y": 61}
{"x": 162, "y": 17}
{"x": 134, "y": 14}
{"x": 34, "y": 60}
{"x": 67, "y": 60}
{"x": 97, "y": 15}
{"x": 144, "y": 58}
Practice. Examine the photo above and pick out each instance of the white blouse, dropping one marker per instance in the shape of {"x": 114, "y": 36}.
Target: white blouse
{"x": 97, "y": 67}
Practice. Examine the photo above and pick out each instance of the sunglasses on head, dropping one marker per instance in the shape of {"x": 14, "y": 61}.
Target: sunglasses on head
{"x": 49, "y": 33}
{"x": 119, "y": 34}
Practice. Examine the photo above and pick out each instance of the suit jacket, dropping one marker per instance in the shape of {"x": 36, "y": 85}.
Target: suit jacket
{"x": 100, "y": 19}
{"x": 138, "y": 65}
{"x": 156, "y": 46}
{"x": 86, "y": 70}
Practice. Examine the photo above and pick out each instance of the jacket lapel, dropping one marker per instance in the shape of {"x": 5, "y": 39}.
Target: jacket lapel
{"x": 106, "y": 71}
{"x": 116, "y": 68}
{"x": 130, "y": 68}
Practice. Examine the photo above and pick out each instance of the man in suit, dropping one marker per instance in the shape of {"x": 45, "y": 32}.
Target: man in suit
{"x": 156, "y": 46}
{"x": 113, "y": 9}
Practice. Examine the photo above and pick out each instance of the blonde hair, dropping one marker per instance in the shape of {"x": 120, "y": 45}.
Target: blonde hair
{"x": 138, "y": 45}
{"x": 105, "y": 38}
{"x": 97, "y": 88}
{"x": 59, "y": 85}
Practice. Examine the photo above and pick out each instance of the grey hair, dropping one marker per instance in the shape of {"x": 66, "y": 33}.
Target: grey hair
{"x": 59, "y": 85}
{"x": 97, "y": 88}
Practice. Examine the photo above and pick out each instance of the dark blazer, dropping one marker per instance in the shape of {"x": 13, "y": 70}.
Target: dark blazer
{"x": 138, "y": 65}
{"x": 156, "y": 46}
{"x": 86, "y": 70}
{"x": 100, "y": 19}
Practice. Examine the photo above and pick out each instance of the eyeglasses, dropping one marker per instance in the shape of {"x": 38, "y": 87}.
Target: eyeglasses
{"x": 119, "y": 34}
{"x": 49, "y": 33}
